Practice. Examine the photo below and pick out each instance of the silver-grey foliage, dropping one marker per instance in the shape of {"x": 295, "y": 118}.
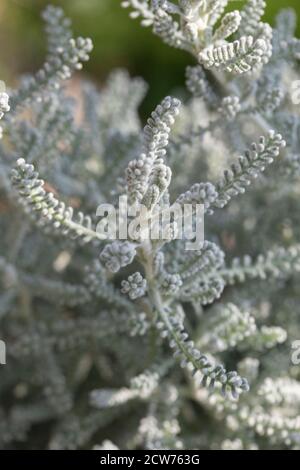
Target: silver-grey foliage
{"x": 97, "y": 329}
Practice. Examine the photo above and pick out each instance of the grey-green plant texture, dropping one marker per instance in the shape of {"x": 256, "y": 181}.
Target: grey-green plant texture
{"x": 140, "y": 344}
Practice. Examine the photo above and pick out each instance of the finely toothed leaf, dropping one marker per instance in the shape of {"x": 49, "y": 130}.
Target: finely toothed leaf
{"x": 198, "y": 84}
{"x": 251, "y": 16}
{"x": 141, "y": 387}
{"x": 199, "y": 274}
{"x": 199, "y": 193}
{"x": 248, "y": 166}
{"x": 225, "y": 328}
{"x": 140, "y": 9}
{"x": 276, "y": 263}
{"x": 57, "y": 27}
{"x": 148, "y": 177}
{"x": 241, "y": 56}
{"x": 117, "y": 255}
{"x": 215, "y": 10}
{"x": 47, "y": 211}
{"x": 286, "y": 22}
{"x": 190, "y": 357}
{"x": 66, "y": 55}
{"x": 229, "y": 25}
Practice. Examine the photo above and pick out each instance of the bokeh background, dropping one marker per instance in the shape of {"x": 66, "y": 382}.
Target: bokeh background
{"x": 118, "y": 40}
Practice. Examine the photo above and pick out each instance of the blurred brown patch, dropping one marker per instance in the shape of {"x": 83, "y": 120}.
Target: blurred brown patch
{"x": 4, "y": 206}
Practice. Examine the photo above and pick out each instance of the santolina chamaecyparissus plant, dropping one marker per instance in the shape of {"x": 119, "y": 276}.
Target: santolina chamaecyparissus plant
{"x": 179, "y": 349}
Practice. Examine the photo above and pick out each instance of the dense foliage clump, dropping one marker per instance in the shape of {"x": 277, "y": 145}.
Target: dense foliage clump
{"x": 140, "y": 343}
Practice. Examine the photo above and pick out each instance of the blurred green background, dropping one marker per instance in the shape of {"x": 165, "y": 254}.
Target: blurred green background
{"x": 118, "y": 40}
